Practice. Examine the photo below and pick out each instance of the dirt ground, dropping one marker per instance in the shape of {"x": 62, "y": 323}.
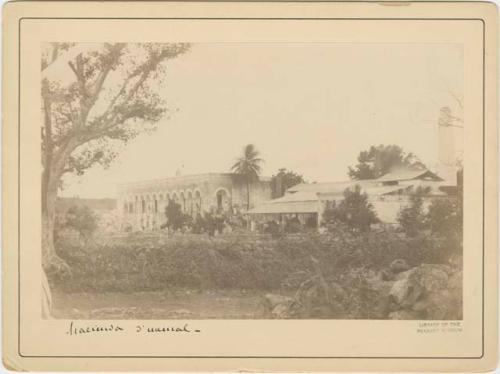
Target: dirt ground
{"x": 180, "y": 304}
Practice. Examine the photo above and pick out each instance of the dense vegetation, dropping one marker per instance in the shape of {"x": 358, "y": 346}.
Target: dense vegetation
{"x": 140, "y": 262}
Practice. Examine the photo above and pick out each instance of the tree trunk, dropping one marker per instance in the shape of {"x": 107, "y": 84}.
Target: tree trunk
{"x": 50, "y": 260}
{"x": 248, "y": 204}
{"x": 248, "y": 195}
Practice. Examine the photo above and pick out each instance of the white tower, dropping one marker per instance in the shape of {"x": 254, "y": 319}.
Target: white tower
{"x": 447, "y": 147}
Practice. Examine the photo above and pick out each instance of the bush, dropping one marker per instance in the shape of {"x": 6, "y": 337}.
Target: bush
{"x": 412, "y": 218}
{"x": 80, "y": 219}
{"x": 141, "y": 262}
{"x": 354, "y": 211}
{"x": 445, "y": 217}
{"x": 175, "y": 217}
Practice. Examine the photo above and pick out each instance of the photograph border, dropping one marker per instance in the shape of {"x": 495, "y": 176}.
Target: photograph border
{"x": 260, "y": 19}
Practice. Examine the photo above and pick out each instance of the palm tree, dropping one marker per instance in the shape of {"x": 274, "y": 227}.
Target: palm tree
{"x": 248, "y": 165}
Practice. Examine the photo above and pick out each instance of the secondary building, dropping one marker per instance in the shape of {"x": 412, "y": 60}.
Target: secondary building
{"x": 388, "y": 194}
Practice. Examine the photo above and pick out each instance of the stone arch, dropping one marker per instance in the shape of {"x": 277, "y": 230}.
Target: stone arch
{"x": 155, "y": 204}
{"x": 197, "y": 201}
{"x": 182, "y": 201}
{"x": 222, "y": 199}
{"x": 175, "y": 197}
{"x": 189, "y": 202}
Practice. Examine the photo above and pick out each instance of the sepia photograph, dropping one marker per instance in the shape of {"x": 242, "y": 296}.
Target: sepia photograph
{"x": 250, "y": 186}
{"x": 252, "y": 180}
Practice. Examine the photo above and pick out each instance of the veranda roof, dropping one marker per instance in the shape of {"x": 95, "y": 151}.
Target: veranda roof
{"x": 286, "y": 207}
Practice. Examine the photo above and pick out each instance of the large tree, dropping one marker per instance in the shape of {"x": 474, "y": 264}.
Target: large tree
{"x": 249, "y": 166}
{"x": 354, "y": 211}
{"x": 92, "y": 97}
{"x": 379, "y": 160}
{"x": 283, "y": 180}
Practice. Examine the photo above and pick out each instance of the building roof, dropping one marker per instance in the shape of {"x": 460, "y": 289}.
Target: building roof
{"x": 369, "y": 190}
{"x": 286, "y": 207}
{"x": 408, "y": 174}
{"x": 304, "y": 197}
{"x": 329, "y": 186}
{"x": 189, "y": 178}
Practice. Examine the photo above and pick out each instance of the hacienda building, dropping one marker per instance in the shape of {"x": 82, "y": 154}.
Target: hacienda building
{"x": 142, "y": 204}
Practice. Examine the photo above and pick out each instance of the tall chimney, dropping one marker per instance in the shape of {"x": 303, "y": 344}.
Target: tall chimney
{"x": 446, "y": 146}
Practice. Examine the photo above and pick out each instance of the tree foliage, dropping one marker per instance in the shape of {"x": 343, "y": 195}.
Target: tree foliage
{"x": 175, "y": 217}
{"x": 381, "y": 159}
{"x": 412, "y": 218}
{"x": 249, "y": 166}
{"x": 81, "y": 219}
{"x": 445, "y": 217}
{"x": 283, "y": 180}
{"x": 113, "y": 95}
{"x": 94, "y": 96}
{"x": 354, "y": 211}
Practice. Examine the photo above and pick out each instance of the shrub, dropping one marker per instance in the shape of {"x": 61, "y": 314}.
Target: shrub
{"x": 141, "y": 262}
{"x": 445, "y": 217}
{"x": 354, "y": 211}
{"x": 175, "y": 217}
{"x": 412, "y": 218}
{"x": 80, "y": 219}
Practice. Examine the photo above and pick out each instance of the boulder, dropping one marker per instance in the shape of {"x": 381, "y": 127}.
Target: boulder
{"x": 403, "y": 315}
{"x": 404, "y": 274}
{"x": 399, "y": 265}
{"x": 281, "y": 311}
{"x": 429, "y": 277}
{"x": 275, "y": 306}
{"x": 399, "y": 291}
{"x": 435, "y": 305}
{"x": 273, "y": 300}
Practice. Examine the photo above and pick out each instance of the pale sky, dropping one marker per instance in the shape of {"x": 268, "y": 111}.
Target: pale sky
{"x": 307, "y": 107}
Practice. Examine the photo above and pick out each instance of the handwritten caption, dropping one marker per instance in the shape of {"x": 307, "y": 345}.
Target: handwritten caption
{"x": 75, "y": 329}
{"x": 434, "y": 327}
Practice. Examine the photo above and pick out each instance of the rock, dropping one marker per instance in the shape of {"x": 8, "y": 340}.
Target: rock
{"x": 399, "y": 291}
{"x": 404, "y": 274}
{"x": 430, "y": 277}
{"x": 387, "y": 275}
{"x": 405, "y": 292}
{"x": 404, "y": 315}
{"x": 399, "y": 265}
{"x": 275, "y": 306}
{"x": 437, "y": 305}
{"x": 281, "y": 311}
{"x": 273, "y": 300}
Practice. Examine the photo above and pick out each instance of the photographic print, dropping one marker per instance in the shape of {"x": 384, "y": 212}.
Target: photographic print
{"x": 250, "y": 186}
{"x": 252, "y": 180}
